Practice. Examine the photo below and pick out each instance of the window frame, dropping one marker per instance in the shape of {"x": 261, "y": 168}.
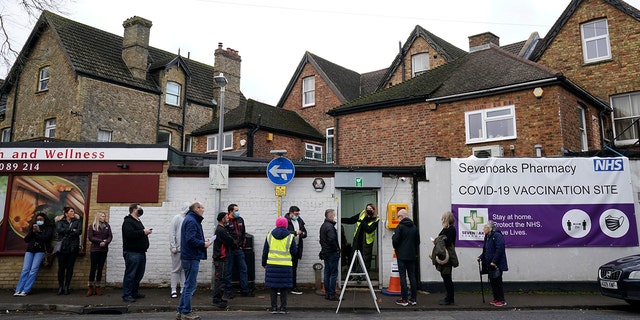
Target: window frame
{"x": 594, "y": 39}
{"x": 582, "y": 126}
{"x": 308, "y": 91}
{"x": 50, "y": 128}
{"x": 421, "y": 58}
{"x": 485, "y": 119}
{"x": 103, "y": 131}
{"x": 167, "y": 132}
{"x": 5, "y": 135}
{"x": 329, "y": 143}
{"x": 629, "y": 118}
{"x": 175, "y": 96}
{"x": 44, "y": 75}
{"x": 227, "y": 143}
{"x": 315, "y": 149}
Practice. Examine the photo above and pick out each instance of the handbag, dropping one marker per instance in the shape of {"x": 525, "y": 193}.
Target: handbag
{"x": 494, "y": 273}
{"x": 57, "y": 247}
{"x": 47, "y": 260}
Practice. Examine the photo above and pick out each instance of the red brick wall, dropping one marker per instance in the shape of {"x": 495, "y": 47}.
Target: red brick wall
{"x": 404, "y": 135}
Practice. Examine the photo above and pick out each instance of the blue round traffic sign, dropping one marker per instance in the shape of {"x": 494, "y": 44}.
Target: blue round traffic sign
{"x": 280, "y": 171}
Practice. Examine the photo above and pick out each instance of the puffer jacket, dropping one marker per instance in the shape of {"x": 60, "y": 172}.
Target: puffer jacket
{"x": 277, "y": 276}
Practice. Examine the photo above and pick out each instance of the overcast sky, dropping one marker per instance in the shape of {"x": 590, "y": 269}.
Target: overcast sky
{"x": 273, "y": 35}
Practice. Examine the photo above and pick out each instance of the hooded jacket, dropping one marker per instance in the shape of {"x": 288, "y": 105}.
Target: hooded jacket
{"x": 192, "y": 238}
{"x": 133, "y": 237}
{"x": 278, "y": 276}
{"x": 406, "y": 240}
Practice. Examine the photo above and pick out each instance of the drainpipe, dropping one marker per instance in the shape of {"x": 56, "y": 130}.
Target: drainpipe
{"x": 13, "y": 110}
{"x": 184, "y": 114}
{"x": 251, "y": 135}
{"x": 335, "y": 141}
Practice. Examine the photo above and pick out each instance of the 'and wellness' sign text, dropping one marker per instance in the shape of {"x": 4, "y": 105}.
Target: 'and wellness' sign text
{"x": 83, "y": 154}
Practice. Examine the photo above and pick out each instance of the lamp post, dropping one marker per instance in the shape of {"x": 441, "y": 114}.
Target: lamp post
{"x": 221, "y": 81}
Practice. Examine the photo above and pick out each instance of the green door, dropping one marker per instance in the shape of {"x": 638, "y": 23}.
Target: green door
{"x": 352, "y": 202}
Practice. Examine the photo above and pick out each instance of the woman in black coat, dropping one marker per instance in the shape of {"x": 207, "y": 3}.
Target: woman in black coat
{"x": 69, "y": 229}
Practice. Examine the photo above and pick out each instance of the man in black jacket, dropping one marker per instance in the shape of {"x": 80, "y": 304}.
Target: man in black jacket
{"x": 297, "y": 229}
{"x": 330, "y": 253}
{"x": 406, "y": 241}
{"x": 135, "y": 242}
{"x": 222, "y": 245}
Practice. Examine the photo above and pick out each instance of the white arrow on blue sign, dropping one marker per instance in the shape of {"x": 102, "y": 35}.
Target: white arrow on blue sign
{"x": 280, "y": 171}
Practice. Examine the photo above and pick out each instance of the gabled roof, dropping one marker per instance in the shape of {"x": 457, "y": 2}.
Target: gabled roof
{"x": 567, "y": 13}
{"x": 97, "y": 54}
{"x": 252, "y": 114}
{"x": 344, "y": 83}
{"x": 446, "y": 50}
{"x": 483, "y": 72}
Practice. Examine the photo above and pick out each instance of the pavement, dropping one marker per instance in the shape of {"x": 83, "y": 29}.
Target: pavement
{"x": 354, "y": 299}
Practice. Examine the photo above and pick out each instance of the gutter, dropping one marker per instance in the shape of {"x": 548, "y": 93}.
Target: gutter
{"x": 491, "y": 90}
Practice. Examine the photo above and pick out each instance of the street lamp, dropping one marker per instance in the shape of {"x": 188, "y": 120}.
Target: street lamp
{"x": 221, "y": 81}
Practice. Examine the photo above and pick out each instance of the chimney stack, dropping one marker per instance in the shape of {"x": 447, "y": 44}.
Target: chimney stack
{"x": 228, "y": 62}
{"x": 483, "y": 41}
{"x": 135, "y": 45}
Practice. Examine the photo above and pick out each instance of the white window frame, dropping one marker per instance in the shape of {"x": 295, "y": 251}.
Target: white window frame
{"x": 626, "y": 109}
{"x": 167, "y": 132}
{"x": 308, "y": 91}
{"x": 227, "y": 143}
{"x": 419, "y": 63}
{"x": 6, "y": 135}
{"x": 313, "y": 151}
{"x": 486, "y": 117}
{"x": 172, "y": 96}
{"x": 330, "y": 134}
{"x": 188, "y": 144}
{"x": 595, "y": 36}
{"x": 44, "y": 74}
{"x": 584, "y": 142}
{"x": 50, "y": 128}
{"x": 104, "y": 135}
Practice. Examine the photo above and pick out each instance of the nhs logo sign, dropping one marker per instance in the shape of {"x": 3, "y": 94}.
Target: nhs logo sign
{"x": 613, "y": 164}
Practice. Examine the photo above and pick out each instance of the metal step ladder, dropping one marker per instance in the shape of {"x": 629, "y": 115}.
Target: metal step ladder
{"x": 358, "y": 255}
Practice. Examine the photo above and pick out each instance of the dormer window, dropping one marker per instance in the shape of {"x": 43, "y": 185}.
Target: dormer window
{"x": 43, "y": 79}
{"x": 595, "y": 41}
{"x": 172, "y": 96}
{"x": 419, "y": 63}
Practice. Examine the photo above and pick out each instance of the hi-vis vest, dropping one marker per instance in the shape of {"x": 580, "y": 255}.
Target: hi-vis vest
{"x": 369, "y": 236}
{"x": 279, "y": 250}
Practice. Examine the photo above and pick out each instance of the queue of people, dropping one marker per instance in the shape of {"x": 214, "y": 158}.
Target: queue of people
{"x": 282, "y": 251}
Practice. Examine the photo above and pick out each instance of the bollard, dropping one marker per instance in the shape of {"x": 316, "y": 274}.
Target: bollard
{"x": 317, "y": 267}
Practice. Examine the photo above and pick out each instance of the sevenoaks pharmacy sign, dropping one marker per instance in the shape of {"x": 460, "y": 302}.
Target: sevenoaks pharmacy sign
{"x": 545, "y": 202}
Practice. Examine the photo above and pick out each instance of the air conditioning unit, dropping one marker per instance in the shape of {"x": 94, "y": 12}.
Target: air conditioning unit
{"x": 488, "y": 151}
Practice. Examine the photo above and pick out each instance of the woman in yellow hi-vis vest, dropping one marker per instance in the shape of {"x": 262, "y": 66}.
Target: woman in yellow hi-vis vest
{"x": 276, "y": 259}
{"x": 365, "y": 233}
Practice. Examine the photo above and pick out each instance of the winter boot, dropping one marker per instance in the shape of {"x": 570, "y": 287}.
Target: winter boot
{"x": 90, "y": 290}
{"x": 98, "y": 289}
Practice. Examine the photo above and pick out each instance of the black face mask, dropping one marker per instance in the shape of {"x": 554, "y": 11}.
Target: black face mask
{"x": 370, "y": 212}
{"x": 140, "y": 212}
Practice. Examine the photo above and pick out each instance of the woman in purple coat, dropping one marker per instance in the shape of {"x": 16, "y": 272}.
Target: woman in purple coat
{"x": 277, "y": 260}
{"x": 100, "y": 236}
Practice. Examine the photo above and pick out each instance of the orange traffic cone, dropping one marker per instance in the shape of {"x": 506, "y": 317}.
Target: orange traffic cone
{"x": 394, "y": 280}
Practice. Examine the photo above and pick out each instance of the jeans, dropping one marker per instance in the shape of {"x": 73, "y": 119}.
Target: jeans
{"x": 190, "y": 268}
{"x": 134, "y": 266}
{"x": 236, "y": 257}
{"x": 30, "y": 268}
{"x": 408, "y": 267}
{"x": 98, "y": 258}
{"x": 331, "y": 273}
{"x": 66, "y": 262}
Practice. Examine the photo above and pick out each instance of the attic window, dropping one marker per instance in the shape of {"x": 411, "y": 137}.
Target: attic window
{"x": 595, "y": 41}
{"x": 308, "y": 91}
{"x": 43, "y": 79}
{"x": 419, "y": 63}
{"x": 172, "y": 96}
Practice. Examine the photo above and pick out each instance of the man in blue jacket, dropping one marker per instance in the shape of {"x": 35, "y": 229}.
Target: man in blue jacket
{"x": 193, "y": 249}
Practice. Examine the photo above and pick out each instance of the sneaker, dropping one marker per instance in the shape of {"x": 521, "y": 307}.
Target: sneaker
{"x": 283, "y": 311}
{"x": 138, "y": 295}
{"x": 412, "y": 302}
{"x": 228, "y": 296}
{"x": 178, "y": 316}
{"x": 128, "y": 299}
{"x": 500, "y": 303}
{"x": 402, "y": 302}
{"x": 189, "y": 316}
{"x": 296, "y": 291}
{"x": 17, "y": 294}
{"x": 274, "y": 310}
{"x": 221, "y": 304}
{"x": 174, "y": 295}
{"x": 493, "y": 302}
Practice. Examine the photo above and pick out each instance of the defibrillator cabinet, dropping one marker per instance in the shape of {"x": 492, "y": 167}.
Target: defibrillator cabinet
{"x": 392, "y": 214}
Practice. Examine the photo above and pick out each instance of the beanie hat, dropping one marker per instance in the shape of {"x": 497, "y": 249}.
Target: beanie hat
{"x": 221, "y": 216}
{"x": 281, "y": 222}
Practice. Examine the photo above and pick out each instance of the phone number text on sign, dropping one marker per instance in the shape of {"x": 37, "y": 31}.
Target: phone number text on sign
{"x": 19, "y": 167}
